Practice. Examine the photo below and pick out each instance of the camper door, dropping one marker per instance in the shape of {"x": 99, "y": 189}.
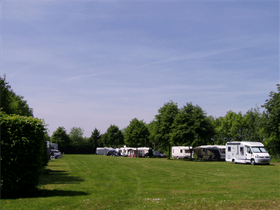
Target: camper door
{"x": 241, "y": 153}
{"x": 248, "y": 154}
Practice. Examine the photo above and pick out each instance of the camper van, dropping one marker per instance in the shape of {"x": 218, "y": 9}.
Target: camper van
{"x": 181, "y": 152}
{"x": 246, "y": 152}
{"x": 134, "y": 152}
{"x": 102, "y": 150}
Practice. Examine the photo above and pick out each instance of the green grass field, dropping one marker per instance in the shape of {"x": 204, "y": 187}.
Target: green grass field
{"x": 101, "y": 182}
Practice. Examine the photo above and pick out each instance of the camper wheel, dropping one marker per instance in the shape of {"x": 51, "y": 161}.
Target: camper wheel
{"x": 233, "y": 160}
{"x": 253, "y": 162}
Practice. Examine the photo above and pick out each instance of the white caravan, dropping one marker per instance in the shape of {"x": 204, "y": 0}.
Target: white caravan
{"x": 102, "y": 150}
{"x": 181, "y": 152}
{"x": 246, "y": 152}
{"x": 132, "y": 152}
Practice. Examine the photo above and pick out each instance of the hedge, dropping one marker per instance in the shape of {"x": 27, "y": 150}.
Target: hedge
{"x": 22, "y": 158}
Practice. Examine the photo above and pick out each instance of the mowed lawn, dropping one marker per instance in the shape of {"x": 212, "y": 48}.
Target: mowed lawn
{"x": 101, "y": 182}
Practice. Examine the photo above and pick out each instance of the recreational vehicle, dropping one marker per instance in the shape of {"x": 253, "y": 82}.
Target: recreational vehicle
{"x": 210, "y": 152}
{"x": 54, "y": 146}
{"x": 134, "y": 152}
{"x": 102, "y": 150}
{"x": 181, "y": 152}
{"x": 246, "y": 152}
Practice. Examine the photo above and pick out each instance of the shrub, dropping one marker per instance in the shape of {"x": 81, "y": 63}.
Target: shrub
{"x": 22, "y": 147}
{"x": 46, "y": 156}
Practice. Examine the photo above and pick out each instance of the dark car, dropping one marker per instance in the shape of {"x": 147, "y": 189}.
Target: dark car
{"x": 113, "y": 152}
{"x": 159, "y": 154}
{"x": 110, "y": 152}
{"x": 149, "y": 154}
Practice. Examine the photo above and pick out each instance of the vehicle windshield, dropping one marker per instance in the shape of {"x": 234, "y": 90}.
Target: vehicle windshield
{"x": 259, "y": 150}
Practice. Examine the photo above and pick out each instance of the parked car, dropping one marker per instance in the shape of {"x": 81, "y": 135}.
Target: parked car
{"x": 55, "y": 154}
{"x": 114, "y": 152}
{"x": 159, "y": 154}
{"x": 110, "y": 152}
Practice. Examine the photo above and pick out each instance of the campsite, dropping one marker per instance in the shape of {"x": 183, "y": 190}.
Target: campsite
{"x": 139, "y": 105}
{"x": 105, "y": 182}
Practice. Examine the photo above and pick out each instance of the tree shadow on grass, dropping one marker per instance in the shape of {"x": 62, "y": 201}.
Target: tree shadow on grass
{"x": 55, "y": 166}
{"x": 40, "y": 193}
{"x": 53, "y": 193}
{"x": 58, "y": 177}
{"x": 49, "y": 177}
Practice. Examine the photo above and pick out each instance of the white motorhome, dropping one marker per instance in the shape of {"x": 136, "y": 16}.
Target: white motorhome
{"x": 102, "y": 150}
{"x": 181, "y": 152}
{"x": 246, "y": 152}
{"x": 126, "y": 150}
{"x": 133, "y": 152}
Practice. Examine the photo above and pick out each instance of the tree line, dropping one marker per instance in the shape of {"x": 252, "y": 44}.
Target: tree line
{"x": 185, "y": 126}
{"x": 26, "y": 136}
{"x": 188, "y": 125}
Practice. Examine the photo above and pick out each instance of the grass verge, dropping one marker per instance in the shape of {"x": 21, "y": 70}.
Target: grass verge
{"x": 101, "y": 182}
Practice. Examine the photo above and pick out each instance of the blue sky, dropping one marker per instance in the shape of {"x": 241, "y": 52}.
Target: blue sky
{"x": 91, "y": 64}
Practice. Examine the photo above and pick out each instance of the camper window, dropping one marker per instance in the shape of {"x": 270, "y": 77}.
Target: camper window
{"x": 258, "y": 149}
{"x": 229, "y": 149}
{"x": 248, "y": 150}
{"x": 263, "y": 149}
{"x": 242, "y": 150}
{"x": 181, "y": 151}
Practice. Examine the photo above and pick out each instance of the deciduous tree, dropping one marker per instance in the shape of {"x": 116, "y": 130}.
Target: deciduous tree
{"x": 252, "y": 130}
{"x": 163, "y": 125}
{"x": 61, "y": 138}
{"x": 94, "y": 140}
{"x": 238, "y": 127}
{"x": 152, "y": 134}
{"x": 229, "y": 128}
{"x": 77, "y": 139}
{"x": 271, "y": 122}
{"x": 11, "y": 103}
{"x": 113, "y": 137}
{"x": 136, "y": 134}
{"x": 192, "y": 127}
